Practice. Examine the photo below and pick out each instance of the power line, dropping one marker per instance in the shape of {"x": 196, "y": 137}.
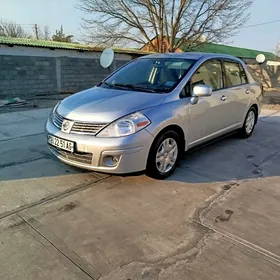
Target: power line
{"x": 32, "y": 26}
{"x": 25, "y": 24}
{"x": 260, "y": 24}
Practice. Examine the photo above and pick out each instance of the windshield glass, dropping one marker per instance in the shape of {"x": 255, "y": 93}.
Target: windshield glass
{"x": 150, "y": 74}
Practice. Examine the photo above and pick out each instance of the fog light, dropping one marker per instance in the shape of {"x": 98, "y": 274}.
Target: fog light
{"x": 111, "y": 161}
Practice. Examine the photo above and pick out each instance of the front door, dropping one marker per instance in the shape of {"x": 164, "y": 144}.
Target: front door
{"x": 208, "y": 116}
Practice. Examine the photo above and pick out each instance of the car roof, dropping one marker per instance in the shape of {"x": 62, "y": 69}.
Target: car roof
{"x": 190, "y": 55}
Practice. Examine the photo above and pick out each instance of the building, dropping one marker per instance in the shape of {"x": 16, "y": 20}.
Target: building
{"x": 242, "y": 53}
{"x": 29, "y": 68}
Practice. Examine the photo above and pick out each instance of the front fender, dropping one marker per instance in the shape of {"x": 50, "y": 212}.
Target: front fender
{"x": 171, "y": 113}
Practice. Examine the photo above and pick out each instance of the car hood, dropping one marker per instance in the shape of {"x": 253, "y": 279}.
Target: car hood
{"x": 102, "y": 105}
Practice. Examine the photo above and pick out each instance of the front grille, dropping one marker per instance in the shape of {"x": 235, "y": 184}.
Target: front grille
{"x": 81, "y": 157}
{"x": 79, "y": 127}
{"x": 87, "y": 128}
{"x": 57, "y": 120}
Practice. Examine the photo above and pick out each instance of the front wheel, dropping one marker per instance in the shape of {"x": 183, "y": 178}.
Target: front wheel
{"x": 163, "y": 156}
{"x": 249, "y": 123}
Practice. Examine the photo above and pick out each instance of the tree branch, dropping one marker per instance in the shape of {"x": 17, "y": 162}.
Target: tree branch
{"x": 136, "y": 21}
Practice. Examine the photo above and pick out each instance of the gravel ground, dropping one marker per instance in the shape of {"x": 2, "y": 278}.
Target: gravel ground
{"x": 272, "y": 106}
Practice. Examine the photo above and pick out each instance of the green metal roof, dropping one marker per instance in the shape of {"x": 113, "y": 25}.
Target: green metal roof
{"x": 61, "y": 45}
{"x": 206, "y": 47}
{"x": 235, "y": 51}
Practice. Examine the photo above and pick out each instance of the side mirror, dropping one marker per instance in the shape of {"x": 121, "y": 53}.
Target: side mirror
{"x": 202, "y": 90}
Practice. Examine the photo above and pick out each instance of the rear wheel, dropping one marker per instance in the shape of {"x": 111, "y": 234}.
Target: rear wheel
{"x": 249, "y": 123}
{"x": 163, "y": 156}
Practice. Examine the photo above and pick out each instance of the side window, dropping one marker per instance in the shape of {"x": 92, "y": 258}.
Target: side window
{"x": 209, "y": 73}
{"x": 235, "y": 74}
{"x": 244, "y": 78}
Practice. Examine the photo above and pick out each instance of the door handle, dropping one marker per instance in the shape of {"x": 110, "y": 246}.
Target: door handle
{"x": 247, "y": 91}
{"x": 224, "y": 98}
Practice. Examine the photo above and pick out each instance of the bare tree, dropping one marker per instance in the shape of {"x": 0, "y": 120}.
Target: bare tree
{"x": 42, "y": 34}
{"x": 46, "y": 34}
{"x": 277, "y": 49}
{"x": 12, "y": 29}
{"x": 121, "y": 22}
{"x": 61, "y": 37}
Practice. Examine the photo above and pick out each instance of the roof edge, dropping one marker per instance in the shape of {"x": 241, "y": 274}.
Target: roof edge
{"x": 10, "y": 41}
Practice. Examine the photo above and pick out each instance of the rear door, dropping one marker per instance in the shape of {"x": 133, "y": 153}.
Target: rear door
{"x": 237, "y": 92}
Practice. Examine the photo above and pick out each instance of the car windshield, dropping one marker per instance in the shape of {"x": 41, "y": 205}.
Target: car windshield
{"x": 156, "y": 75}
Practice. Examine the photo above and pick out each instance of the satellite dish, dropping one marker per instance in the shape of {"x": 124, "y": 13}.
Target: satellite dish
{"x": 107, "y": 58}
{"x": 260, "y": 58}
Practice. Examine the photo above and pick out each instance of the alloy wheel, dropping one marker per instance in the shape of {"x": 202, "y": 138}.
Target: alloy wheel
{"x": 166, "y": 155}
{"x": 250, "y": 122}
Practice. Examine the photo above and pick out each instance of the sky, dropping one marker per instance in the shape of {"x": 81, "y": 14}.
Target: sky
{"x": 55, "y": 13}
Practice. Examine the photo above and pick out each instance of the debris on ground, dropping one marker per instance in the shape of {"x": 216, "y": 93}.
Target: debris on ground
{"x": 38, "y": 101}
{"x": 12, "y": 102}
{"x": 15, "y": 104}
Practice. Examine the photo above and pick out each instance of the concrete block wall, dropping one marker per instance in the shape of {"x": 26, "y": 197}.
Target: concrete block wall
{"x": 21, "y": 75}
{"x": 29, "y": 71}
{"x": 26, "y": 72}
{"x": 78, "y": 73}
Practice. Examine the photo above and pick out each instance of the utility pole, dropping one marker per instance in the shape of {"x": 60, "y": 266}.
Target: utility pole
{"x": 161, "y": 25}
{"x": 36, "y": 31}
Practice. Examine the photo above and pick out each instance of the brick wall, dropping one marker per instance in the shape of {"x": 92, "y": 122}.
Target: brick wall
{"x": 25, "y": 73}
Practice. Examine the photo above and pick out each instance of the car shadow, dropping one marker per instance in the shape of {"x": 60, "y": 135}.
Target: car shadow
{"x": 233, "y": 158}
{"x": 225, "y": 160}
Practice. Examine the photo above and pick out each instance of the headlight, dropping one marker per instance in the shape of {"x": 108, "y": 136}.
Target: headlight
{"x": 125, "y": 126}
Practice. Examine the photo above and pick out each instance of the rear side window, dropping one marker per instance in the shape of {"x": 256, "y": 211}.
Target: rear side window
{"x": 244, "y": 78}
{"x": 234, "y": 74}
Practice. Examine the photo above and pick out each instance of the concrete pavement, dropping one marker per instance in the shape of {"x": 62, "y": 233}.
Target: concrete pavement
{"x": 215, "y": 218}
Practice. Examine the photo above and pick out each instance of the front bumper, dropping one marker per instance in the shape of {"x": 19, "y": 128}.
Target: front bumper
{"x": 132, "y": 151}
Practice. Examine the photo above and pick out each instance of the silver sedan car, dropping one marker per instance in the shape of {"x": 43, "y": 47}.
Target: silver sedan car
{"x": 146, "y": 114}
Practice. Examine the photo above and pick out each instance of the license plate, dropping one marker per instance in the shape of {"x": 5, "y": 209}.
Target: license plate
{"x": 61, "y": 143}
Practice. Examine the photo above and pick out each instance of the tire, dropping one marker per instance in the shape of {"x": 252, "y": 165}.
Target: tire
{"x": 248, "y": 128}
{"x": 159, "y": 156}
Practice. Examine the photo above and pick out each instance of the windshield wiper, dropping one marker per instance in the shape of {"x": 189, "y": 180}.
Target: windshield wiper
{"x": 146, "y": 89}
{"x": 106, "y": 83}
{"x": 133, "y": 87}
